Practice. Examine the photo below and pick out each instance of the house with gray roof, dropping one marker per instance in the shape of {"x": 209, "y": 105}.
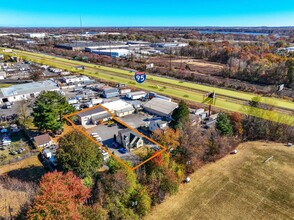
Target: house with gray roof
{"x": 129, "y": 139}
{"x": 26, "y": 91}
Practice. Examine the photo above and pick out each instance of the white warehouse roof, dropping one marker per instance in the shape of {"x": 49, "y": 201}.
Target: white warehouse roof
{"x": 28, "y": 88}
{"x": 117, "y": 105}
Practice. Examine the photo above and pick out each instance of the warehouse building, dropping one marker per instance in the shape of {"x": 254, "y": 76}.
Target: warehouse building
{"x": 110, "y": 92}
{"x": 26, "y": 91}
{"x": 75, "y": 79}
{"x": 35, "y": 35}
{"x": 107, "y": 46}
{"x": 160, "y": 107}
{"x": 113, "y": 52}
{"x": 119, "y": 108}
{"x": 93, "y": 116}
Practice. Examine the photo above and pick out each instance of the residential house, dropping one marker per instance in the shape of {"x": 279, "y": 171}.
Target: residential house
{"x": 129, "y": 139}
{"x": 43, "y": 140}
{"x": 157, "y": 124}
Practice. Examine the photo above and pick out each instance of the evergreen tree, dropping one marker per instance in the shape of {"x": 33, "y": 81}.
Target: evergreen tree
{"x": 49, "y": 109}
{"x": 180, "y": 115}
{"x": 79, "y": 154}
{"x": 223, "y": 124}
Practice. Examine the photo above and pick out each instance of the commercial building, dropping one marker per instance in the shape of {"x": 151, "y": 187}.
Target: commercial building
{"x": 113, "y": 52}
{"x": 110, "y": 92}
{"x": 106, "y": 46}
{"x": 160, "y": 107}
{"x": 75, "y": 79}
{"x": 93, "y": 116}
{"x": 26, "y": 91}
{"x": 119, "y": 108}
{"x": 35, "y": 35}
{"x": 136, "y": 95}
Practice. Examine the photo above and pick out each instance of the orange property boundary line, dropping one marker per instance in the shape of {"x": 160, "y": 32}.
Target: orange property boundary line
{"x": 120, "y": 122}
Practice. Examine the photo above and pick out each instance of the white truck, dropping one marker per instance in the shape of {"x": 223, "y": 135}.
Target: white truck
{"x": 136, "y": 95}
{"x": 73, "y": 101}
{"x": 96, "y": 101}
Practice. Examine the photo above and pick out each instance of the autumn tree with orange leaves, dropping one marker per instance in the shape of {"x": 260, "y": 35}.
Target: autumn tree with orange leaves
{"x": 60, "y": 197}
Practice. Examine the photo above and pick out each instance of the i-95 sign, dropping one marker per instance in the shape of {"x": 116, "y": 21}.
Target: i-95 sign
{"x": 140, "y": 77}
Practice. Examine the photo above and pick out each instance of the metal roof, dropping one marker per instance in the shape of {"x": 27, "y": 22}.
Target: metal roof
{"x": 92, "y": 111}
{"x": 161, "y": 105}
{"x": 28, "y": 88}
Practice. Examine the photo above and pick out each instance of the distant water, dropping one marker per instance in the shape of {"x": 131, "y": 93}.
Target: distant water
{"x": 232, "y": 32}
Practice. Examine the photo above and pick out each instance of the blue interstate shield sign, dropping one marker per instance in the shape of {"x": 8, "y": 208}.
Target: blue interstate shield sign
{"x": 140, "y": 77}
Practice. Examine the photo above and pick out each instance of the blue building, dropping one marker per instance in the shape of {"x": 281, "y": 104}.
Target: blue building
{"x": 110, "y": 92}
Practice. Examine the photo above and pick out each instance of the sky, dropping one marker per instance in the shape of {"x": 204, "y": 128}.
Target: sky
{"x": 97, "y": 13}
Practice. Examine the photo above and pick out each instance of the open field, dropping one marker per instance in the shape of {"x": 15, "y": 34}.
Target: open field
{"x": 227, "y": 99}
{"x": 199, "y": 63}
{"x": 241, "y": 186}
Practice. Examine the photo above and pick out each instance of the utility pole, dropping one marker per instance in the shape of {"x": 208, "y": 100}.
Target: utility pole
{"x": 170, "y": 58}
{"x": 110, "y": 49}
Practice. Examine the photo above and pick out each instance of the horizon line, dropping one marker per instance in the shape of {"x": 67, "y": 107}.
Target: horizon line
{"x": 153, "y": 26}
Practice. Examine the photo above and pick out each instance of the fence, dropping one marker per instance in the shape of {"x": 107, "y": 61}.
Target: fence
{"x": 19, "y": 158}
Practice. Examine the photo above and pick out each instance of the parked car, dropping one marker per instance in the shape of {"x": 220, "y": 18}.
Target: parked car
{"x": 115, "y": 145}
{"x": 122, "y": 150}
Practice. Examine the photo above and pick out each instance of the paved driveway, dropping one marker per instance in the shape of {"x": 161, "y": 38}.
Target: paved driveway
{"x": 107, "y": 135}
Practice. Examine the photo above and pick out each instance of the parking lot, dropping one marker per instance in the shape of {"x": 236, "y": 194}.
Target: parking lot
{"x": 15, "y": 109}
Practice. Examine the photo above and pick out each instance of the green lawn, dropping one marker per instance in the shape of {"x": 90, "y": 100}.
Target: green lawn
{"x": 182, "y": 93}
{"x": 2, "y": 85}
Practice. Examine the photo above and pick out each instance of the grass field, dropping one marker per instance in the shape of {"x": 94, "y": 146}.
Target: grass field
{"x": 184, "y": 92}
{"x": 240, "y": 186}
{"x": 2, "y": 85}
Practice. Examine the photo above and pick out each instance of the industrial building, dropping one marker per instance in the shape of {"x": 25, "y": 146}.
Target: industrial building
{"x": 113, "y": 52}
{"x": 88, "y": 46}
{"x": 110, "y": 92}
{"x": 35, "y": 35}
{"x": 136, "y": 95}
{"x": 160, "y": 107}
{"x": 75, "y": 79}
{"x": 119, "y": 108}
{"x": 76, "y": 45}
{"x": 93, "y": 116}
{"x": 107, "y": 46}
{"x": 26, "y": 91}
